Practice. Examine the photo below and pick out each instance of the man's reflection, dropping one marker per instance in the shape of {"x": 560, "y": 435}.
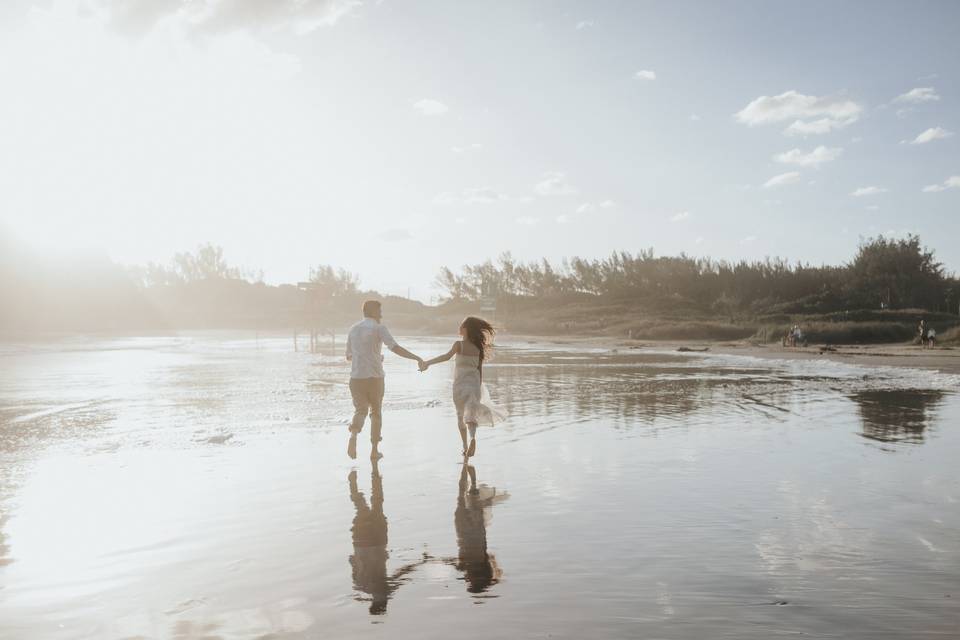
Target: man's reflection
{"x": 369, "y": 559}
{"x": 471, "y": 518}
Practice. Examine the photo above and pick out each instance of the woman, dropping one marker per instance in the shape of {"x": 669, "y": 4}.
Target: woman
{"x": 470, "y": 395}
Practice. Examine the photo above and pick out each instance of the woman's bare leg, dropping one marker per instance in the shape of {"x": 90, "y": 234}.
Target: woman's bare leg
{"x": 472, "y": 449}
{"x": 463, "y": 433}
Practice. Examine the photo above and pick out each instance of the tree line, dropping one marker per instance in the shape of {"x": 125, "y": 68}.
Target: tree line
{"x": 885, "y": 273}
{"x": 207, "y": 262}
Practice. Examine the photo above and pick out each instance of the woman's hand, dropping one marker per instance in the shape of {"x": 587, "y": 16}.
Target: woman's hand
{"x": 423, "y": 366}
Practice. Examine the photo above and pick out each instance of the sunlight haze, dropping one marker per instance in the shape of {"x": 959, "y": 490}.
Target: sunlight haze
{"x": 436, "y": 134}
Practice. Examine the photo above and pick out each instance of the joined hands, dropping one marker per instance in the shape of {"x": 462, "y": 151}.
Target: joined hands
{"x": 422, "y": 366}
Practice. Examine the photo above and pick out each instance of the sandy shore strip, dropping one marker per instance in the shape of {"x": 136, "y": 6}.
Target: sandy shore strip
{"x": 945, "y": 359}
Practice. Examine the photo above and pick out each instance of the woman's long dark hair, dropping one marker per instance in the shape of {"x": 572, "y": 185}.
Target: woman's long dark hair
{"x": 480, "y": 333}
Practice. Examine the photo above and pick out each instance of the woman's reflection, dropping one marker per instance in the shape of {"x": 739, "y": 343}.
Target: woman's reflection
{"x": 471, "y": 519}
{"x": 369, "y": 559}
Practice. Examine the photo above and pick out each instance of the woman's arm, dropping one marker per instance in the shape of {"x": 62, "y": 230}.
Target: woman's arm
{"x": 455, "y": 349}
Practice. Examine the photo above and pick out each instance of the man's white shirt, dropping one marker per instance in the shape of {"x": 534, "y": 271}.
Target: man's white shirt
{"x": 364, "y": 348}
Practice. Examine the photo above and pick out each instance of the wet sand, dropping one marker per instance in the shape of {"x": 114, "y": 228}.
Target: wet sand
{"x": 942, "y": 358}
{"x": 945, "y": 359}
{"x": 198, "y": 487}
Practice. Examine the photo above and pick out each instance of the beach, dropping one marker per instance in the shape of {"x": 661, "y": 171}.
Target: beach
{"x": 944, "y": 359}
{"x": 197, "y": 486}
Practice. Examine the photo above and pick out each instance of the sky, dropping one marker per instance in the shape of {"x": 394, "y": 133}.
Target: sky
{"x": 394, "y": 138}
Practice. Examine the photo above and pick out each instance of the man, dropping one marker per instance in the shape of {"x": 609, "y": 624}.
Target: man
{"x": 364, "y": 343}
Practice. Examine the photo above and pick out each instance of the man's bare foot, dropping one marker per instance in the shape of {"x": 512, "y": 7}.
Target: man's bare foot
{"x": 375, "y": 454}
{"x": 352, "y": 447}
{"x": 472, "y": 449}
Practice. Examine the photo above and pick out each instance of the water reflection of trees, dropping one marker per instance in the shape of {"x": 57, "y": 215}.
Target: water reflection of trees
{"x": 627, "y": 386}
{"x": 897, "y": 416}
{"x": 4, "y": 547}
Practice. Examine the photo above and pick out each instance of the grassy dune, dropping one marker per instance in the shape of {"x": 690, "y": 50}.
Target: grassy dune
{"x": 674, "y": 320}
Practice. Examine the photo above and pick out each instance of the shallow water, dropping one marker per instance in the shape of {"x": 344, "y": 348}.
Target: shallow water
{"x": 197, "y": 487}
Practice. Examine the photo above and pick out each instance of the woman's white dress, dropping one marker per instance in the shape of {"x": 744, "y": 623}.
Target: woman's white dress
{"x": 470, "y": 395}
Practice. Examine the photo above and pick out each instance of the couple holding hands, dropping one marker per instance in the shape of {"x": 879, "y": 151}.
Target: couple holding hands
{"x": 470, "y": 396}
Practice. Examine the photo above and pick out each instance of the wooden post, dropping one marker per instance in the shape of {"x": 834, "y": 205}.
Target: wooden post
{"x": 295, "y": 340}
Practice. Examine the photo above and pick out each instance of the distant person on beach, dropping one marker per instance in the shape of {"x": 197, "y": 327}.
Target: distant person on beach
{"x": 470, "y": 395}
{"x": 797, "y": 336}
{"x": 922, "y": 329}
{"x": 364, "y": 351}
{"x": 931, "y": 337}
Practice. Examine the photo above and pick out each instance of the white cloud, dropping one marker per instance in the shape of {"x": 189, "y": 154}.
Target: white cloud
{"x": 476, "y": 146}
{"x": 813, "y": 127}
{"x": 219, "y": 16}
{"x": 395, "y": 235}
{"x": 814, "y": 159}
{"x": 953, "y": 182}
{"x": 527, "y": 220}
{"x": 918, "y": 95}
{"x": 811, "y": 114}
{"x": 698, "y": 240}
{"x": 784, "y": 178}
{"x": 872, "y": 207}
{"x": 931, "y": 134}
{"x": 589, "y": 207}
{"x": 694, "y": 117}
{"x": 554, "y": 184}
{"x": 429, "y": 107}
{"x": 645, "y": 74}
{"x": 748, "y": 240}
{"x": 867, "y": 191}
{"x": 585, "y": 24}
{"x": 475, "y": 195}
{"x": 585, "y": 208}
{"x": 680, "y": 217}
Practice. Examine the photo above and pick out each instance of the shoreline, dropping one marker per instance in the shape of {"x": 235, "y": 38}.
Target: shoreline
{"x": 942, "y": 359}
{"x": 945, "y": 359}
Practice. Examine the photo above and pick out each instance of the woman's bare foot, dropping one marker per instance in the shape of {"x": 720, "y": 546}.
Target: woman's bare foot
{"x": 472, "y": 449}
{"x": 375, "y": 454}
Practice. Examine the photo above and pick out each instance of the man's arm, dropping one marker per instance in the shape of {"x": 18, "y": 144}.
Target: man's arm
{"x": 403, "y": 353}
{"x": 388, "y": 340}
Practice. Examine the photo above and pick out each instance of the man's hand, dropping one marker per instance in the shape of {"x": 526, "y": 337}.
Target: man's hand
{"x": 423, "y": 366}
